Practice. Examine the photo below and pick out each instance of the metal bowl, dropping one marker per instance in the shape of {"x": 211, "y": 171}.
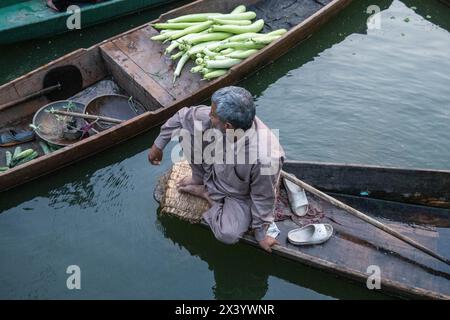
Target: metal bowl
{"x": 114, "y": 106}
{"x": 51, "y": 128}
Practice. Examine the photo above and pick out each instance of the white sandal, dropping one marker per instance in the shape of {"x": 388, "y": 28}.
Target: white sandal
{"x": 311, "y": 234}
{"x": 297, "y": 198}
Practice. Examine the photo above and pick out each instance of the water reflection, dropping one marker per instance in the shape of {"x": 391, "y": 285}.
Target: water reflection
{"x": 243, "y": 272}
{"x": 350, "y": 21}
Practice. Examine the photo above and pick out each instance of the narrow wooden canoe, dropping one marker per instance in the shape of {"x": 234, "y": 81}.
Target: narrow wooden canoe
{"x": 138, "y": 66}
{"x": 28, "y": 19}
{"x": 357, "y": 245}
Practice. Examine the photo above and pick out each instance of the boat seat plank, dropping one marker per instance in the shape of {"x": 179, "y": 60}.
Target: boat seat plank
{"x": 134, "y": 79}
{"x": 149, "y": 56}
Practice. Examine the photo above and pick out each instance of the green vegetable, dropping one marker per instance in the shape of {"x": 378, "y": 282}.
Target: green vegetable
{"x": 242, "y": 54}
{"x": 206, "y": 70}
{"x": 227, "y": 51}
{"x": 239, "y": 9}
{"x": 179, "y": 42}
{"x": 3, "y": 169}
{"x": 278, "y": 32}
{"x": 209, "y": 53}
{"x": 265, "y": 40}
{"x": 180, "y": 66}
{"x": 221, "y": 64}
{"x": 44, "y": 147}
{"x": 54, "y": 147}
{"x": 176, "y": 26}
{"x": 238, "y": 45}
{"x": 232, "y": 22}
{"x": 214, "y": 36}
{"x": 21, "y": 156}
{"x": 214, "y": 74}
{"x": 256, "y": 26}
{"x": 199, "y": 47}
{"x": 196, "y": 17}
{"x": 194, "y": 29}
{"x": 244, "y": 36}
{"x": 8, "y": 155}
{"x": 251, "y": 35}
{"x": 17, "y": 151}
{"x": 249, "y": 15}
{"x": 196, "y": 69}
{"x": 177, "y": 55}
{"x": 164, "y": 36}
{"x": 30, "y": 157}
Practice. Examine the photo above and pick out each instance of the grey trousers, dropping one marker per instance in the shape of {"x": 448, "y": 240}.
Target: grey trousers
{"x": 229, "y": 219}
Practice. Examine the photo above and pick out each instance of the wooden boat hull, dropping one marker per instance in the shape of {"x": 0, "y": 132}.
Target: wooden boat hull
{"x": 127, "y": 58}
{"x": 23, "y": 20}
{"x": 357, "y": 248}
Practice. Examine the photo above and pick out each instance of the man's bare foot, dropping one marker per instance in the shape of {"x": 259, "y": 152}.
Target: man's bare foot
{"x": 187, "y": 181}
{"x": 51, "y": 5}
{"x": 198, "y": 190}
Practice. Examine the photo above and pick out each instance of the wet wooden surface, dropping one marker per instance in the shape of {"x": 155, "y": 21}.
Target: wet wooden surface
{"x": 356, "y": 245}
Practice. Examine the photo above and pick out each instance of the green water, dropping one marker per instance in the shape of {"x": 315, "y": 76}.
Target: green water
{"x": 347, "y": 94}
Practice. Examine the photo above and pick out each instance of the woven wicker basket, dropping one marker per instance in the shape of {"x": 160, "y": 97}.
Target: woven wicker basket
{"x": 180, "y": 204}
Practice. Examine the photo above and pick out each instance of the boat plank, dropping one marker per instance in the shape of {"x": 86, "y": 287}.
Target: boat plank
{"x": 134, "y": 79}
{"x": 158, "y": 65}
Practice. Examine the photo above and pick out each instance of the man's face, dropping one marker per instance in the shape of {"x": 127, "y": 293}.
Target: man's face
{"x": 215, "y": 121}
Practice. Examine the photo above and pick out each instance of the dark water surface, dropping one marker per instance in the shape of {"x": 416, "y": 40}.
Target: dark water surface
{"x": 347, "y": 94}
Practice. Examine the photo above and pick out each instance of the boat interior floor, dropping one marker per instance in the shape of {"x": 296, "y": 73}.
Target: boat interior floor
{"x": 371, "y": 246}
{"x": 285, "y": 13}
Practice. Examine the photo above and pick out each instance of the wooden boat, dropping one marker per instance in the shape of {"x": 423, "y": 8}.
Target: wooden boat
{"x": 139, "y": 69}
{"x": 28, "y": 19}
{"x": 390, "y": 195}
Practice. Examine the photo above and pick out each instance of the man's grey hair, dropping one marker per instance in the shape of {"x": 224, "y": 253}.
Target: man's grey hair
{"x": 235, "y": 105}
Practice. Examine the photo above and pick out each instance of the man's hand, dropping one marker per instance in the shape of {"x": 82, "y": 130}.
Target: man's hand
{"x": 155, "y": 155}
{"x": 267, "y": 243}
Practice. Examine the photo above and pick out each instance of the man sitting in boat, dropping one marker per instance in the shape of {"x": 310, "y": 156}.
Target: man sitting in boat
{"x": 240, "y": 187}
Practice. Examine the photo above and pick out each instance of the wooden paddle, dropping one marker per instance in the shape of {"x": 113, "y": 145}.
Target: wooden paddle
{"x": 86, "y": 116}
{"x": 362, "y": 216}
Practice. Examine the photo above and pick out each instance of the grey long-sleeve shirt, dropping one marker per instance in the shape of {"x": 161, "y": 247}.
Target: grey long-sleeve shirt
{"x": 250, "y": 180}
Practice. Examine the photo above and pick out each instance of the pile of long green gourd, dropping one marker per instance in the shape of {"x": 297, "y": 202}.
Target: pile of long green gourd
{"x": 215, "y": 41}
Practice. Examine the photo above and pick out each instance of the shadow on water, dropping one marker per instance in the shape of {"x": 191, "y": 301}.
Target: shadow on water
{"x": 243, "y": 272}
